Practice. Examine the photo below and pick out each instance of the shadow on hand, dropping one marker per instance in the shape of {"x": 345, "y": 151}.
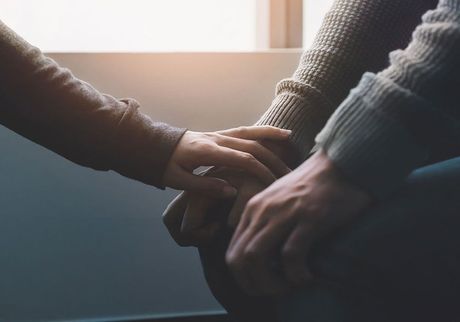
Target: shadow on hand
{"x": 240, "y": 306}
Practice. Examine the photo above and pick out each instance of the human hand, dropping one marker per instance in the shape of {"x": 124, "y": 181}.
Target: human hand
{"x": 194, "y": 219}
{"x": 235, "y": 148}
{"x": 268, "y": 252}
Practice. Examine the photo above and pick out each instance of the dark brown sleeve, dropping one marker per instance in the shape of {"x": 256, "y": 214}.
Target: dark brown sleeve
{"x": 47, "y": 104}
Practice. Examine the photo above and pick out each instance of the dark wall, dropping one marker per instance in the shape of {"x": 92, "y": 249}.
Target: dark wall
{"x": 76, "y": 243}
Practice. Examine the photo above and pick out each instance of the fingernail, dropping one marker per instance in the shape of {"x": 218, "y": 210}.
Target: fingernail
{"x": 229, "y": 191}
{"x": 288, "y": 132}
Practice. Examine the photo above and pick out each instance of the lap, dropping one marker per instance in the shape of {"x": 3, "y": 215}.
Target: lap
{"x": 400, "y": 261}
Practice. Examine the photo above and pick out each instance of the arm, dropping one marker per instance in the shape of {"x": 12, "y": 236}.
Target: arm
{"x": 50, "y": 106}
{"x": 396, "y": 120}
{"x": 356, "y": 36}
{"x": 387, "y": 126}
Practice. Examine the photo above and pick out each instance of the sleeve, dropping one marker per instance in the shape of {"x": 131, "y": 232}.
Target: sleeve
{"x": 356, "y": 36}
{"x": 47, "y": 104}
{"x": 396, "y": 120}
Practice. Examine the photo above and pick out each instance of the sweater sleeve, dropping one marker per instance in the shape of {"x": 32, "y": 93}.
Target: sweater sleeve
{"x": 47, "y": 104}
{"x": 394, "y": 121}
{"x": 356, "y": 36}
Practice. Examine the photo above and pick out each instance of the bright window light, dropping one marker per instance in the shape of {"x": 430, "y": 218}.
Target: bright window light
{"x": 133, "y": 25}
{"x": 313, "y": 15}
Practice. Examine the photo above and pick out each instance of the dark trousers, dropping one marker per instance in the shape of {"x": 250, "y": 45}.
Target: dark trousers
{"x": 399, "y": 262}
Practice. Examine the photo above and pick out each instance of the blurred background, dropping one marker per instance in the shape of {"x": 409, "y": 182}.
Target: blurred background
{"x": 81, "y": 245}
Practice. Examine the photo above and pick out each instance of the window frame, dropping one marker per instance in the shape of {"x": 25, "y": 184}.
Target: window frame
{"x": 279, "y": 24}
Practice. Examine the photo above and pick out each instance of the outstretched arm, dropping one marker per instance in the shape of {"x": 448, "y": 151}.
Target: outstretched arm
{"x": 47, "y": 104}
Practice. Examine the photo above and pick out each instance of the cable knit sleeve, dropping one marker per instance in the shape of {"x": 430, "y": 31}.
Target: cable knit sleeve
{"x": 356, "y": 36}
{"x": 396, "y": 120}
{"x": 47, "y": 104}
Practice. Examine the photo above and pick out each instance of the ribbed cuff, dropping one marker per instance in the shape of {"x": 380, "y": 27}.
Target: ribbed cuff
{"x": 373, "y": 149}
{"x": 301, "y": 109}
{"x": 144, "y": 147}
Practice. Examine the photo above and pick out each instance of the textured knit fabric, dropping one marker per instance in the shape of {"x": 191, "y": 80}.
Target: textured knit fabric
{"x": 356, "y": 37}
{"x": 48, "y": 105}
{"x": 396, "y": 120}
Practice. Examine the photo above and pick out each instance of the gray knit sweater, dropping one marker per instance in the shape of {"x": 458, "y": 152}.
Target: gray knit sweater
{"x": 47, "y": 104}
{"x": 393, "y": 121}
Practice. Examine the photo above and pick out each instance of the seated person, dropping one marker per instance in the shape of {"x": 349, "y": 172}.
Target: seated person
{"x": 365, "y": 228}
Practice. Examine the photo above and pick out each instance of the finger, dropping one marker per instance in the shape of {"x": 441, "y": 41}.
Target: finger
{"x": 240, "y": 229}
{"x": 267, "y": 157}
{"x": 223, "y": 156}
{"x": 196, "y": 212}
{"x": 210, "y": 186}
{"x": 236, "y": 262}
{"x": 240, "y": 238}
{"x": 245, "y": 193}
{"x": 257, "y": 132}
{"x": 294, "y": 255}
{"x": 248, "y": 261}
{"x": 263, "y": 250}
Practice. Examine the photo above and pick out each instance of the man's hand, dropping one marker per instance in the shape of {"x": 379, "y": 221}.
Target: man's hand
{"x": 268, "y": 252}
{"x": 193, "y": 219}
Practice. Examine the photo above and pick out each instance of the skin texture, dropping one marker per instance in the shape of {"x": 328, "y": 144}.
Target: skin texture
{"x": 235, "y": 148}
{"x": 268, "y": 254}
{"x": 193, "y": 219}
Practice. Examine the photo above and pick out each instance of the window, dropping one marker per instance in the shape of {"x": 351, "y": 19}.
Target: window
{"x": 164, "y": 25}
{"x": 134, "y": 25}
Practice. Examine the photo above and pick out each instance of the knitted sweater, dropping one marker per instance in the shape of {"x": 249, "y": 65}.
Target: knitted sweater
{"x": 394, "y": 121}
{"x": 47, "y": 104}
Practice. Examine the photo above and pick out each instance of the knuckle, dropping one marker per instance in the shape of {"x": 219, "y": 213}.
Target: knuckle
{"x": 247, "y": 157}
{"x": 242, "y": 129}
{"x": 207, "y": 148}
{"x": 232, "y": 260}
{"x": 254, "y": 203}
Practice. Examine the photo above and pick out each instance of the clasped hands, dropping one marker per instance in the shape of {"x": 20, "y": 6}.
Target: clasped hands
{"x": 274, "y": 224}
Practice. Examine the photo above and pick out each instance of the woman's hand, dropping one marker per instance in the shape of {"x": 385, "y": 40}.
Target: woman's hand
{"x": 193, "y": 219}
{"x": 235, "y": 148}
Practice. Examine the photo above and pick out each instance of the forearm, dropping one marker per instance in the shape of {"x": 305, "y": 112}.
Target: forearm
{"x": 50, "y": 106}
{"x": 356, "y": 36}
{"x": 396, "y": 120}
